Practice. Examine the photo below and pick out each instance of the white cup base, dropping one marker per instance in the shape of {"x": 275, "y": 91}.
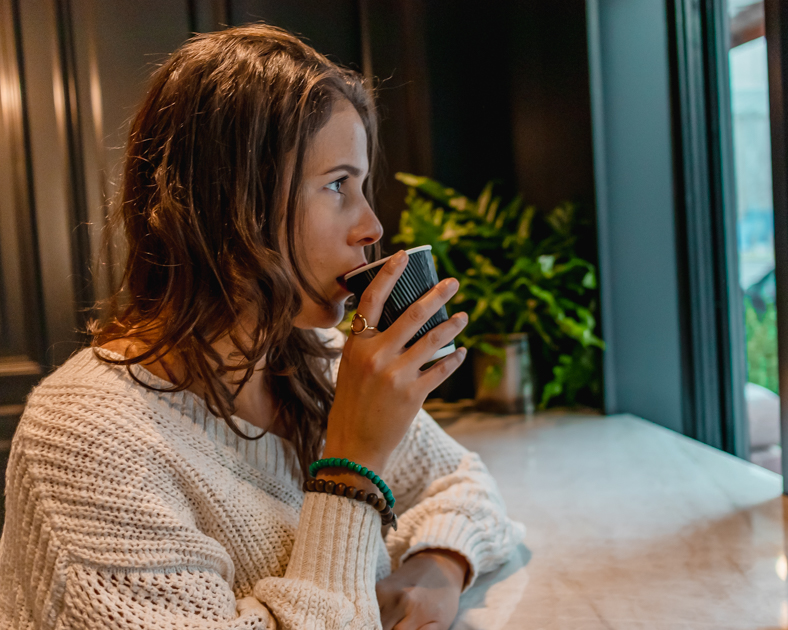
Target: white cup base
{"x": 443, "y": 351}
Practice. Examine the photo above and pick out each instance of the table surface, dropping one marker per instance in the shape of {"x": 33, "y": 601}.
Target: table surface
{"x": 630, "y": 526}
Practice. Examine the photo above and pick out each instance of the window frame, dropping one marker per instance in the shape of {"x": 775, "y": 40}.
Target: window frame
{"x": 776, "y": 19}
{"x": 713, "y": 338}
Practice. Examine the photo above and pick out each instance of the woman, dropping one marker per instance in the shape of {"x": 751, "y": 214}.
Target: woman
{"x": 156, "y": 480}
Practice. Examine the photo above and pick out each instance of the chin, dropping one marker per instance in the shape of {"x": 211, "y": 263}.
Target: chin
{"x": 313, "y": 316}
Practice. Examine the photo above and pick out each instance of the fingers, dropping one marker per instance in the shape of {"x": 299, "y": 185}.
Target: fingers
{"x": 375, "y": 295}
{"x": 391, "y": 621}
{"x": 418, "y": 313}
{"x": 430, "y": 378}
{"x": 392, "y": 606}
{"x": 423, "y": 350}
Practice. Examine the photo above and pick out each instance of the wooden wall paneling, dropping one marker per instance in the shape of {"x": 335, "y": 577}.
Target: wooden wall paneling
{"x": 117, "y": 46}
{"x": 51, "y": 179}
{"x": 21, "y": 321}
{"x": 71, "y": 75}
{"x": 21, "y": 333}
{"x": 76, "y": 193}
{"x": 95, "y": 177}
{"x": 21, "y": 329}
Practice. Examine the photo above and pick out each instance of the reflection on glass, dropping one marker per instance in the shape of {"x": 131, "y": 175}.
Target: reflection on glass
{"x": 753, "y": 174}
{"x": 781, "y": 567}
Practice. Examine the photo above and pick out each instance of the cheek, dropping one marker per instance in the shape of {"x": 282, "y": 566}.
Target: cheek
{"x": 318, "y": 259}
{"x": 321, "y": 249}
{"x": 324, "y": 234}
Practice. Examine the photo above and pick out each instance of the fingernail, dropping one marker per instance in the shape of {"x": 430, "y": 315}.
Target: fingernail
{"x": 462, "y": 352}
{"x": 452, "y": 284}
{"x": 400, "y": 256}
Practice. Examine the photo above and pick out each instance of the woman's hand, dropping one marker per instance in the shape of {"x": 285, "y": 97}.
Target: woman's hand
{"x": 380, "y": 387}
{"x": 424, "y": 592}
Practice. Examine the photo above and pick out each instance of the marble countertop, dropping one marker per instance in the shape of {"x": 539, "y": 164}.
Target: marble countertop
{"x": 630, "y": 526}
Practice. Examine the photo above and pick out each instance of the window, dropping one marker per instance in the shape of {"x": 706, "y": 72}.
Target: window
{"x": 752, "y": 172}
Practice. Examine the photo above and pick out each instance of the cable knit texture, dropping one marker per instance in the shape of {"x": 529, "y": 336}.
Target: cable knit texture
{"x": 131, "y": 508}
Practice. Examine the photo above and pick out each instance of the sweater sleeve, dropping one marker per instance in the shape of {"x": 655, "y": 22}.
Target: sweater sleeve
{"x": 86, "y": 549}
{"x": 446, "y": 499}
{"x": 323, "y": 586}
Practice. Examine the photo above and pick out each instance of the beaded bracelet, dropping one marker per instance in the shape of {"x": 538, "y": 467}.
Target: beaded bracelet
{"x": 387, "y": 515}
{"x": 336, "y": 462}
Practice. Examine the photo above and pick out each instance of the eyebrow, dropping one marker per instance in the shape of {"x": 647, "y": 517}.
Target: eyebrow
{"x": 354, "y": 171}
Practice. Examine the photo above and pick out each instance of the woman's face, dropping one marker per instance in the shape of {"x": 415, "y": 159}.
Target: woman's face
{"x": 338, "y": 221}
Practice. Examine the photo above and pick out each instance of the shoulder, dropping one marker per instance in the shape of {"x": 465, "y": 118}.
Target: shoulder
{"x": 85, "y": 374}
{"x": 87, "y": 405}
{"x": 83, "y": 377}
{"x": 90, "y": 428}
{"x": 104, "y": 461}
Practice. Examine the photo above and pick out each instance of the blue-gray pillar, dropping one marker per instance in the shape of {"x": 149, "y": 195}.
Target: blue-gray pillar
{"x": 630, "y": 93}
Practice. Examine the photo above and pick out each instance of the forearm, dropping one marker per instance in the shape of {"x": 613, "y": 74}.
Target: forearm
{"x": 335, "y": 552}
{"x": 447, "y": 500}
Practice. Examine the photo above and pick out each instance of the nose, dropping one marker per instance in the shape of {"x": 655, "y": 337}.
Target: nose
{"x": 368, "y": 230}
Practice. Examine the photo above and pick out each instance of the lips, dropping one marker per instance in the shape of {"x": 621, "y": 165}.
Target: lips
{"x": 341, "y": 279}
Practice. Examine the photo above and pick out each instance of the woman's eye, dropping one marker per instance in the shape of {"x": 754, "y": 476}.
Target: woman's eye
{"x": 335, "y": 185}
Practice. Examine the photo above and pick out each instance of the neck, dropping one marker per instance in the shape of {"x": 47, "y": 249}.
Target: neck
{"x": 254, "y": 402}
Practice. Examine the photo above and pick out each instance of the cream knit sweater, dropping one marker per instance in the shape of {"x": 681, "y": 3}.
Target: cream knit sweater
{"x": 129, "y": 508}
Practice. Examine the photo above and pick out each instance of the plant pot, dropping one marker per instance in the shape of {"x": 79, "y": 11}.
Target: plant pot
{"x": 504, "y": 385}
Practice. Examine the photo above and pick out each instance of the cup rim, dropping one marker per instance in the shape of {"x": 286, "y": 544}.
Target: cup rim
{"x": 382, "y": 261}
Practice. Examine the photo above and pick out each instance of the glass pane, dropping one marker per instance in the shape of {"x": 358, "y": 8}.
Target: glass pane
{"x": 753, "y": 179}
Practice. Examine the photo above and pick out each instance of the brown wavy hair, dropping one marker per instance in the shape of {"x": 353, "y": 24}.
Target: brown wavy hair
{"x": 203, "y": 204}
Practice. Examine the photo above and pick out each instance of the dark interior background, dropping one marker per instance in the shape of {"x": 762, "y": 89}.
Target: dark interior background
{"x": 466, "y": 96}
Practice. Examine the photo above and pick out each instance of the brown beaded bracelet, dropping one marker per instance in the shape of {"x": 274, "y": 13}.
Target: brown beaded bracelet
{"x": 387, "y": 515}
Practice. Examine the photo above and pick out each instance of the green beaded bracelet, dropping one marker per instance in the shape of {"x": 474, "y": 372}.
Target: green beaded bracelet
{"x": 336, "y": 462}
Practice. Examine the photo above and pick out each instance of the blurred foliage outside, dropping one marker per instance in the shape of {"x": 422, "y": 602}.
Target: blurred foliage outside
{"x": 761, "y": 331}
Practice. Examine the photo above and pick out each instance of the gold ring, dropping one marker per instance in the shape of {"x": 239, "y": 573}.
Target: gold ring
{"x": 358, "y": 317}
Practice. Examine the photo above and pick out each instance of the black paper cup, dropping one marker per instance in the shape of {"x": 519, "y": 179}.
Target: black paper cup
{"x": 418, "y": 278}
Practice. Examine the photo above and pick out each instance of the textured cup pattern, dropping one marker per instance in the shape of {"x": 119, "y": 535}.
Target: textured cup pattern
{"x": 418, "y": 278}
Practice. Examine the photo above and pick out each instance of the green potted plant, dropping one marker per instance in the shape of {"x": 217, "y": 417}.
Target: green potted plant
{"x": 521, "y": 280}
